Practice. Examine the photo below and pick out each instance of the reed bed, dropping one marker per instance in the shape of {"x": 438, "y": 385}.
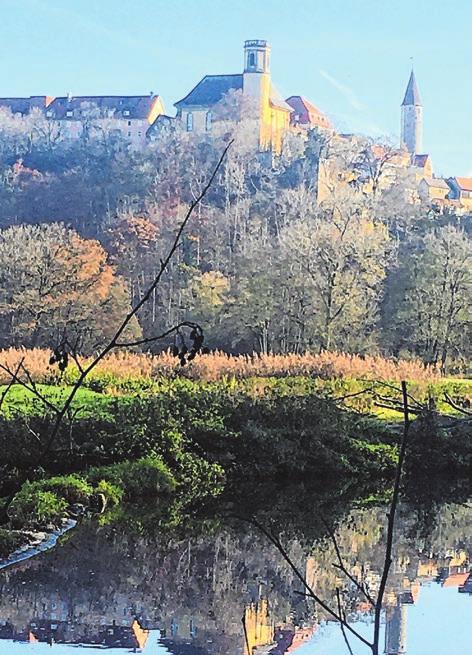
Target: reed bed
{"x": 219, "y": 365}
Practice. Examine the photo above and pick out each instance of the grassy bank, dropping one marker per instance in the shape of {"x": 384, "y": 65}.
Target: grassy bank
{"x": 136, "y": 435}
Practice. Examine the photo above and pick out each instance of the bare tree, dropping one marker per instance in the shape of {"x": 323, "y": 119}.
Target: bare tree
{"x": 66, "y": 350}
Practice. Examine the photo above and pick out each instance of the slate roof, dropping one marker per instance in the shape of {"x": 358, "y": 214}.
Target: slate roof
{"x": 420, "y": 161}
{"x": 162, "y": 121}
{"x": 211, "y": 90}
{"x": 23, "y": 105}
{"x": 126, "y": 107}
{"x": 412, "y": 95}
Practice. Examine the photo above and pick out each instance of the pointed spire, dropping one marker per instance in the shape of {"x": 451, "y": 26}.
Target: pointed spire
{"x": 412, "y": 95}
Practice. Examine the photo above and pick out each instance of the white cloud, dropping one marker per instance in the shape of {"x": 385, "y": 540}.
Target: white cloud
{"x": 345, "y": 90}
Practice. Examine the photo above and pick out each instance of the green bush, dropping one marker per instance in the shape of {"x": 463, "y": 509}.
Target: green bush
{"x": 69, "y": 487}
{"x": 147, "y": 476}
{"x": 112, "y": 493}
{"x": 34, "y": 508}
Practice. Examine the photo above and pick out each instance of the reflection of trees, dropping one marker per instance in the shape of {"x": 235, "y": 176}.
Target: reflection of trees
{"x": 198, "y": 589}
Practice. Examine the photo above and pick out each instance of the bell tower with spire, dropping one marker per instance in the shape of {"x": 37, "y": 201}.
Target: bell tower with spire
{"x": 412, "y": 118}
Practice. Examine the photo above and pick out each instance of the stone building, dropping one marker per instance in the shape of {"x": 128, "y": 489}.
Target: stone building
{"x": 197, "y": 110}
{"x": 130, "y": 116}
{"x": 412, "y": 118}
{"x": 273, "y": 115}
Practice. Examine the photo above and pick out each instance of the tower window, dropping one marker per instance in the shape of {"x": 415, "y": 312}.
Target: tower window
{"x": 208, "y": 120}
{"x": 251, "y": 59}
{"x": 189, "y": 122}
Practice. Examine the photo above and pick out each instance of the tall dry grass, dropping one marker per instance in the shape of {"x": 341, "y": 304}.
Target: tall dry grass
{"x": 218, "y": 365}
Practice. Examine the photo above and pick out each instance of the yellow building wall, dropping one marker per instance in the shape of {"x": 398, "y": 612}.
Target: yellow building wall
{"x": 157, "y": 109}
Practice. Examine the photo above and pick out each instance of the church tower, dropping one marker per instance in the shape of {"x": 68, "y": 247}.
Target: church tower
{"x": 396, "y": 630}
{"x": 257, "y": 86}
{"x": 412, "y": 118}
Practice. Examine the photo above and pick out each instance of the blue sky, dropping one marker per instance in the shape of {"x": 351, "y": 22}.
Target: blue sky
{"x": 437, "y": 625}
{"x": 350, "y": 57}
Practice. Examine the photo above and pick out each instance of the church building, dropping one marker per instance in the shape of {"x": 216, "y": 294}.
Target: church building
{"x": 274, "y": 115}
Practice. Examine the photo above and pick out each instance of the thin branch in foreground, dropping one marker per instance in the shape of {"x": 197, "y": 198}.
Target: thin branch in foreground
{"x": 11, "y": 382}
{"x": 342, "y": 567}
{"x": 309, "y": 591}
{"x": 115, "y": 340}
{"x": 391, "y": 519}
{"x": 343, "y": 630}
{"x": 455, "y": 406}
{"x": 32, "y": 388}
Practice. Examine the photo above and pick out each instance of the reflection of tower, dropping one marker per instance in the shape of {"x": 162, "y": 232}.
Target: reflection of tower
{"x": 395, "y": 629}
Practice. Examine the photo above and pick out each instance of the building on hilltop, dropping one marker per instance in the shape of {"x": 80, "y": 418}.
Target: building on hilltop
{"x": 461, "y": 190}
{"x": 433, "y": 188}
{"x": 131, "y": 116}
{"x": 197, "y": 111}
{"x": 305, "y": 115}
{"x": 24, "y": 106}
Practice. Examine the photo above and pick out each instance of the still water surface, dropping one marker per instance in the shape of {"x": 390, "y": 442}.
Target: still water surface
{"x": 217, "y": 586}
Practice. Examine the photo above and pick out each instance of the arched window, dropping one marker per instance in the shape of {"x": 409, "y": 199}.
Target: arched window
{"x": 189, "y": 122}
{"x": 208, "y": 120}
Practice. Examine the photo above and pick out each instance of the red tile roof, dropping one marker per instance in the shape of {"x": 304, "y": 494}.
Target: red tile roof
{"x": 307, "y": 113}
{"x": 456, "y": 580}
{"x": 465, "y": 183}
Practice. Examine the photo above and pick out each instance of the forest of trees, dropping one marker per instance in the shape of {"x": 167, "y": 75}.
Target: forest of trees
{"x": 263, "y": 266}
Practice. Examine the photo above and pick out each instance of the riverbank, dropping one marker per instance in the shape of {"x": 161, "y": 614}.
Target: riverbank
{"x": 141, "y": 439}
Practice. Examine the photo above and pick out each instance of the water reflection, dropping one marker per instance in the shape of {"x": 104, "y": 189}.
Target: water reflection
{"x": 225, "y": 589}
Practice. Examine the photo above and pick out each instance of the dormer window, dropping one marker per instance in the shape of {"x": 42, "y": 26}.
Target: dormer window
{"x": 49, "y": 113}
{"x": 69, "y": 113}
{"x": 190, "y": 122}
{"x": 126, "y": 112}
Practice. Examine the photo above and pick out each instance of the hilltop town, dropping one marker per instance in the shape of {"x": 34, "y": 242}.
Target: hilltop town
{"x": 252, "y": 96}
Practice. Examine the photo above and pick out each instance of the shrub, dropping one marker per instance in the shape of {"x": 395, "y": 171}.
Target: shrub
{"x": 34, "y": 508}
{"x": 145, "y": 477}
{"x": 113, "y": 494}
{"x": 69, "y": 487}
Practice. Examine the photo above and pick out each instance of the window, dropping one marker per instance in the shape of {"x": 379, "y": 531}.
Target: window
{"x": 140, "y": 133}
{"x": 208, "y": 120}
{"x": 129, "y": 133}
{"x": 126, "y": 112}
{"x": 251, "y": 59}
{"x": 129, "y": 122}
{"x": 69, "y": 113}
{"x": 189, "y": 122}
{"x": 49, "y": 113}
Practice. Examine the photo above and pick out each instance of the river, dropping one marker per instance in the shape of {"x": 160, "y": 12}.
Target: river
{"x": 213, "y": 584}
